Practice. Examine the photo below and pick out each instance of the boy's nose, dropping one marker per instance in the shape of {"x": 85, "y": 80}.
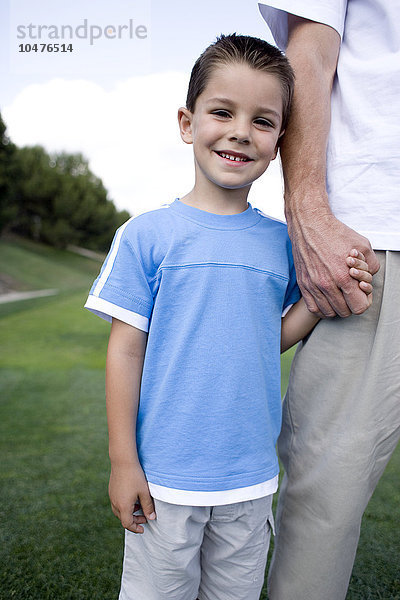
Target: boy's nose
{"x": 241, "y": 138}
{"x": 240, "y": 133}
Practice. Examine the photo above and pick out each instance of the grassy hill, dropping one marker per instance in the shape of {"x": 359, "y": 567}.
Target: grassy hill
{"x": 37, "y": 266}
{"x": 58, "y": 537}
{"x": 26, "y": 265}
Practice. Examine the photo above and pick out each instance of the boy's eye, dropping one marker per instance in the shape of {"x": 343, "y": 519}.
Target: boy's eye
{"x": 221, "y": 113}
{"x": 264, "y": 123}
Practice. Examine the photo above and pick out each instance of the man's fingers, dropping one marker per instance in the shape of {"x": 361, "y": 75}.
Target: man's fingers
{"x": 318, "y": 304}
{"x": 372, "y": 261}
{"x": 334, "y": 304}
{"x": 327, "y": 303}
{"x": 310, "y": 302}
{"x": 357, "y": 301}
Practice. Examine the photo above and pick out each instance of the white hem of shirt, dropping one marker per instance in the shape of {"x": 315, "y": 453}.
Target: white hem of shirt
{"x": 315, "y": 11}
{"x": 106, "y": 310}
{"x": 286, "y": 310}
{"x": 381, "y": 240}
{"x": 192, "y": 498}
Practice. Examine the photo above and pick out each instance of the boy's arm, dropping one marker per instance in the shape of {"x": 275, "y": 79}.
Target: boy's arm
{"x": 299, "y": 321}
{"x": 128, "y": 486}
{"x": 296, "y": 324}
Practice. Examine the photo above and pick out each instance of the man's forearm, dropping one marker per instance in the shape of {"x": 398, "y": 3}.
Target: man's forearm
{"x": 320, "y": 242}
{"x": 313, "y": 51}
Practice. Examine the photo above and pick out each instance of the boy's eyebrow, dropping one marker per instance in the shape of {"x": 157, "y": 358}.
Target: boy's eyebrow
{"x": 261, "y": 109}
{"x": 221, "y": 99}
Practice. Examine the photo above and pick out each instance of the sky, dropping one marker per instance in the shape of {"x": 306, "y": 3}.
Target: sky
{"x": 115, "y": 96}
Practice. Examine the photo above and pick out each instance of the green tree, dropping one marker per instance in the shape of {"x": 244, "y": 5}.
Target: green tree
{"x": 54, "y": 198}
{"x": 8, "y": 175}
{"x": 36, "y": 188}
{"x": 61, "y": 202}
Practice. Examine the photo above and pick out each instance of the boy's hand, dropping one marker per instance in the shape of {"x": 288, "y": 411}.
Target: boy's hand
{"x": 129, "y": 491}
{"x": 359, "y": 270}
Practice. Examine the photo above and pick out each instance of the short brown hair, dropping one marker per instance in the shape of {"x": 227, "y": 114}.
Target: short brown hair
{"x": 256, "y": 53}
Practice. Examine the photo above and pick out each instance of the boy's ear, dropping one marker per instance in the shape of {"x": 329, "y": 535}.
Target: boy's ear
{"x": 278, "y": 143}
{"x": 185, "y": 124}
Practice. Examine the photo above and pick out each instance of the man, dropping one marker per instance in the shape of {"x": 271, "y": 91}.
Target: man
{"x": 341, "y": 162}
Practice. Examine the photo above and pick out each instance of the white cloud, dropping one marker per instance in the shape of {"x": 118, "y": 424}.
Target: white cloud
{"x": 129, "y": 134}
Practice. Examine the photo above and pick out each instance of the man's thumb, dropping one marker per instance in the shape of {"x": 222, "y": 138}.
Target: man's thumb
{"x": 373, "y": 262}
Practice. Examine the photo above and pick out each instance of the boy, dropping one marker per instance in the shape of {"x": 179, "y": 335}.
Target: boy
{"x": 208, "y": 278}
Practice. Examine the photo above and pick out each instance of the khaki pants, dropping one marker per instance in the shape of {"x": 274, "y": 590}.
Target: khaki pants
{"x": 341, "y": 424}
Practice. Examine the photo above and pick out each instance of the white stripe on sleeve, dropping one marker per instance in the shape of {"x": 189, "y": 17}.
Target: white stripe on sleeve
{"x": 110, "y": 262}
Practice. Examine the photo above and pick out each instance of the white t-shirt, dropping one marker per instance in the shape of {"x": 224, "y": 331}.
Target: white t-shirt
{"x": 363, "y": 158}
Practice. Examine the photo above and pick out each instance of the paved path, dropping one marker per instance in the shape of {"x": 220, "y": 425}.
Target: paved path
{"x": 14, "y": 296}
{"x": 88, "y": 253}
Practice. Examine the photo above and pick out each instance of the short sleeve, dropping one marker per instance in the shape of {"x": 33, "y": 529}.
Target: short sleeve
{"x": 327, "y": 12}
{"x": 293, "y": 293}
{"x": 122, "y": 289}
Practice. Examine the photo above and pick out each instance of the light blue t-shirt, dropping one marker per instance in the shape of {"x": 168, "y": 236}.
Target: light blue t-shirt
{"x": 210, "y": 289}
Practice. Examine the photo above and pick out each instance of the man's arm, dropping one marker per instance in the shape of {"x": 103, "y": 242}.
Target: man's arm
{"x": 128, "y": 487}
{"x": 320, "y": 242}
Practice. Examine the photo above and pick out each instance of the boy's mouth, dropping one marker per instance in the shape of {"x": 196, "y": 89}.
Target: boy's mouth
{"x": 233, "y": 156}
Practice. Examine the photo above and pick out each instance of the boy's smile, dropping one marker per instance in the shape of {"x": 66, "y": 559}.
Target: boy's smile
{"x": 235, "y": 127}
{"x": 233, "y": 156}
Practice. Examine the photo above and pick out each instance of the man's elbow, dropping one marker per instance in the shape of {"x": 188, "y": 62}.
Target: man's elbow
{"x": 314, "y": 45}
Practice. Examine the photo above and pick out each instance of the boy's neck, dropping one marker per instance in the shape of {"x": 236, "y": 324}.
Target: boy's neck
{"x": 219, "y": 202}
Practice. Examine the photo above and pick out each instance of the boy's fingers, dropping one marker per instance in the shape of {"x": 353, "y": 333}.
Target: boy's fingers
{"x": 357, "y": 263}
{"x": 147, "y": 505}
{"x": 135, "y": 528}
{"x": 132, "y": 522}
{"x": 357, "y": 254}
{"x": 362, "y": 265}
{"x": 366, "y": 287}
{"x": 361, "y": 275}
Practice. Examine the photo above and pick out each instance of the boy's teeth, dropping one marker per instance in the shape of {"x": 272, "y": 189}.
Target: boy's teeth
{"x": 237, "y": 158}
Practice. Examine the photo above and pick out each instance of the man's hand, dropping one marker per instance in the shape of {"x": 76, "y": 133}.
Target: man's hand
{"x": 129, "y": 491}
{"x": 321, "y": 245}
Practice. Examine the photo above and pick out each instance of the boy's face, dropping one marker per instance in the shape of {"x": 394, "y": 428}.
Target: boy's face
{"x": 235, "y": 126}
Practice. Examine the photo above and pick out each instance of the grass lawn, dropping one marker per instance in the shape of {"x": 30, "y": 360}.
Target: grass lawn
{"x": 58, "y": 537}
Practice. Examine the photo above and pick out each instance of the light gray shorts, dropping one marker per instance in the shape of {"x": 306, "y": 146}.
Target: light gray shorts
{"x": 205, "y": 552}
